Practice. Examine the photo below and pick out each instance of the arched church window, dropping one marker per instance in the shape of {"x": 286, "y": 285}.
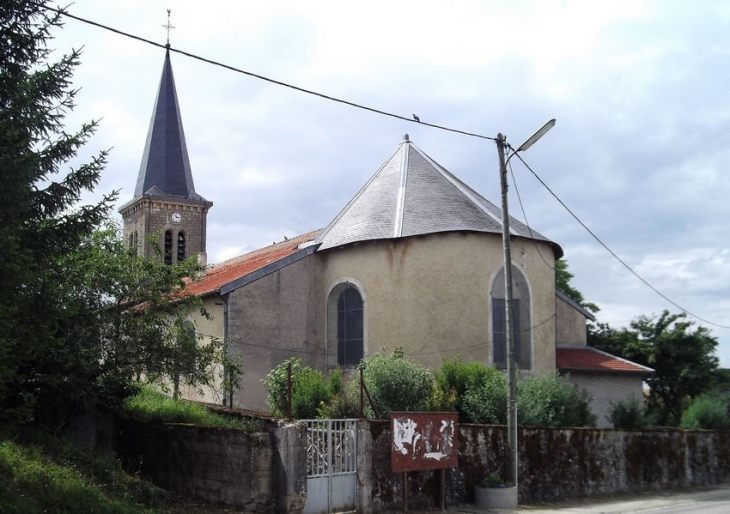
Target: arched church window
{"x": 135, "y": 241}
{"x": 180, "y": 246}
{"x": 520, "y": 320}
{"x": 168, "y": 247}
{"x": 345, "y": 319}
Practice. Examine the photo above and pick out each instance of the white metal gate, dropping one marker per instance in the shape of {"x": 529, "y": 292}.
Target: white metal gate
{"x": 331, "y": 466}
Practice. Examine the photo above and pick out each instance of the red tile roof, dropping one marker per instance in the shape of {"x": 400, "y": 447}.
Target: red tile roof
{"x": 585, "y": 358}
{"x": 227, "y": 271}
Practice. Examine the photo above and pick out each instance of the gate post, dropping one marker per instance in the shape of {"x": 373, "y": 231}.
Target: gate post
{"x": 290, "y": 445}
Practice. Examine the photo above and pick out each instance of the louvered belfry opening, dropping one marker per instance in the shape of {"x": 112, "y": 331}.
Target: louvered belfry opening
{"x": 180, "y": 246}
{"x": 168, "y": 247}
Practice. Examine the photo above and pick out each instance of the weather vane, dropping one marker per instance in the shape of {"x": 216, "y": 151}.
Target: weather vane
{"x": 168, "y": 27}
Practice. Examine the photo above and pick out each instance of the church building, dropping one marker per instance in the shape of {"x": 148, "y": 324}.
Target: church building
{"x": 414, "y": 259}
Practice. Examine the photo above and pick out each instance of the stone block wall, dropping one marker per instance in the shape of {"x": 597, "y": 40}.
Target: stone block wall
{"x": 261, "y": 472}
{"x": 555, "y": 464}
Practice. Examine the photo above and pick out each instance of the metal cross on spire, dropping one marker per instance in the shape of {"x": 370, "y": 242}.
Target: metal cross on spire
{"x": 168, "y": 27}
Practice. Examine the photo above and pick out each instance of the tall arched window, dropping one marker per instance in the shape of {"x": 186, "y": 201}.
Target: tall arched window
{"x": 345, "y": 320}
{"x": 168, "y": 247}
{"x": 180, "y": 246}
{"x": 520, "y": 320}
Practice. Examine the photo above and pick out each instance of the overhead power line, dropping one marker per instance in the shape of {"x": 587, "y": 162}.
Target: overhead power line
{"x": 409, "y": 119}
{"x": 615, "y": 256}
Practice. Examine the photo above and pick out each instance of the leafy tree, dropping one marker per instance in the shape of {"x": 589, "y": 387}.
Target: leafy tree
{"x": 40, "y": 219}
{"x": 683, "y": 358}
{"x": 562, "y": 284}
{"x": 79, "y": 315}
{"x": 708, "y": 411}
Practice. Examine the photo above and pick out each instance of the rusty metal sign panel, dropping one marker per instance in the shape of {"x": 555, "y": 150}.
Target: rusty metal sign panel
{"x": 423, "y": 440}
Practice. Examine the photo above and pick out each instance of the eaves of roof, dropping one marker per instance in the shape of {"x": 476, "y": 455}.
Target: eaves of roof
{"x": 228, "y": 275}
{"x": 575, "y": 305}
{"x": 588, "y": 359}
{"x": 410, "y": 195}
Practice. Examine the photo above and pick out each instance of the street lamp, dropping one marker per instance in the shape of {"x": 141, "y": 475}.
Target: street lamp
{"x": 509, "y": 332}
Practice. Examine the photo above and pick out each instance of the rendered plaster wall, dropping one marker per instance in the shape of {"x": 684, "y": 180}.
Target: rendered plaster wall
{"x": 570, "y": 325}
{"x": 261, "y": 472}
{"x": 555, "y": 464}
{"x": 606, "y": 390}
{"x": 432, "y": 293}
{"x": 208, "y": 329}
{"x": 272, "y": 319}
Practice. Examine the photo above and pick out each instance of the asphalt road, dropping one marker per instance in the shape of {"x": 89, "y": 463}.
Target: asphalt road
{"x": 714, "y": 500}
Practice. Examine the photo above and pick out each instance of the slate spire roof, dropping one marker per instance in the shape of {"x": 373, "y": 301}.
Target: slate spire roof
{"x": 165, "y": 169}
{"x": 411, "y": 194}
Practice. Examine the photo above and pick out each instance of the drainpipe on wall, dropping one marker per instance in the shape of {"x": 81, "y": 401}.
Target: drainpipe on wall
{"x": 229, "y": 400}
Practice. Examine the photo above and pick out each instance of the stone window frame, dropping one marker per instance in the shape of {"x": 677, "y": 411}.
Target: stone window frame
{"x": 332, "y": 320}
{"x": 522, "y": 298}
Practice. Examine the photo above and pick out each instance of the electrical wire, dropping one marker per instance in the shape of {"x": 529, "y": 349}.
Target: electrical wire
{"x": 527, "y": 222}
{"x": 241, "y": 342}
{"x": 615, "y": 256}
{"x": 392, "y": 115}
{"x": 267, "y": 79}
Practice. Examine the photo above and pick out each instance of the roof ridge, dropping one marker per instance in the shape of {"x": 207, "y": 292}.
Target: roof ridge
{"x": 265, "y": 250}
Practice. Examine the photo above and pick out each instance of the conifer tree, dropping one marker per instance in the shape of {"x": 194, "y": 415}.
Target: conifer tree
{"x": 40, "y": 217}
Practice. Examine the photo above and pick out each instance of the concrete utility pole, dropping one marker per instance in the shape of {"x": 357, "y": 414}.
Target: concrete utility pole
{"x": 508, "y": 299}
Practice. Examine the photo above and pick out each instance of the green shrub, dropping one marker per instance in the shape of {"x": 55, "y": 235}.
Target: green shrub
{"x": 396, "y": 384}
{"x": 343, "y": 401}
{"x": 309, "y": 392}
{"x": 309, "y": 389}
{"x": 152, "y": 406}
{"x": 551, "y": 400}
{"x": 708, "y": 411}
{"x": 461, "y": 377}
{"x": 628, "y": 415}
{"x": 487, "y": 402}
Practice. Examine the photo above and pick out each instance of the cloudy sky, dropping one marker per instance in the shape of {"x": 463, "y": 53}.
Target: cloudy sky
{"x": 639, "y": 90}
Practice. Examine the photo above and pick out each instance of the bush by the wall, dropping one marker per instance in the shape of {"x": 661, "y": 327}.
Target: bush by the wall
{"x": 487, "y": 402}
{"x": 551, "y": 400}
{"x": 309, "y": 389}
{"x": 455, "y": 378}
{"x": 628, "y": 415}
{"x": 396, "y": 384}
{"x": 708, "y": 411}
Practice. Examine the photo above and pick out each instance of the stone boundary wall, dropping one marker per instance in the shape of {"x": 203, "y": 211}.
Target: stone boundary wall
{"x": 262, "y": 472}
{"x": 555, "y": 464}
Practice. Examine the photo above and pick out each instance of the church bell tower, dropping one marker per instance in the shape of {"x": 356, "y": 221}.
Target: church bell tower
{"x": 165, "y": 207}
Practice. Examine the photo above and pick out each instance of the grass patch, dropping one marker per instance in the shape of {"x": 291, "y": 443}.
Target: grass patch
{"x": 152, "y": 406}
{"x": 52, "y": 476}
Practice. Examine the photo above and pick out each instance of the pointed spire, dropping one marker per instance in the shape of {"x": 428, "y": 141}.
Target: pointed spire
{"x": 165, "y": 169}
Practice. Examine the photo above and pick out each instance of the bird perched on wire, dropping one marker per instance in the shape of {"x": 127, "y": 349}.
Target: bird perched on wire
{"x": 417, "y": 118}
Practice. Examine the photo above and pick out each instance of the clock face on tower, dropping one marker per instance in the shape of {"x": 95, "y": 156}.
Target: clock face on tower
{"x": 176, "y": 217}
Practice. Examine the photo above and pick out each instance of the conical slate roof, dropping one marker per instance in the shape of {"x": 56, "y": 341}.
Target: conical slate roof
{"x": 411, "y": 194}
{"x": 165, "y": 169}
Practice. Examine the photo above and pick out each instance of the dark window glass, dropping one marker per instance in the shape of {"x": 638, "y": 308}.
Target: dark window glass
{"x": 499, "y": 339}
{"x": 349, "y": 327}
